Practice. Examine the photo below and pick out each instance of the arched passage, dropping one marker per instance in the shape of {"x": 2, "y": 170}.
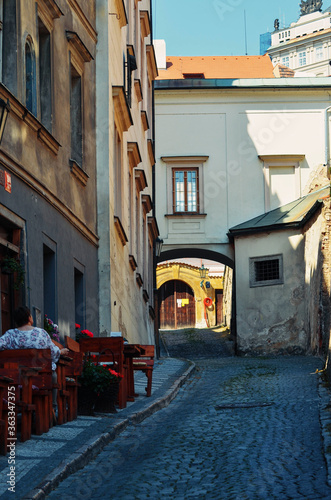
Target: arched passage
{"x": 200, "y": 253}
{"x": 177, "y": 305}
{"x": 223, "y": 308}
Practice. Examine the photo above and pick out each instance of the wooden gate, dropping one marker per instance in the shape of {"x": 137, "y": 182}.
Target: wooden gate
{"x": 219, "y": 306}
{"x": 177, "y": 305}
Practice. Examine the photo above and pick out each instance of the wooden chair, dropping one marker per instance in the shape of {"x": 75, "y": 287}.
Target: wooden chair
{"x": 145, "y": 363}
{"x": 21, "y": 398}
{"x": 72, "y": 373}
{"x": 63, "y": 393}
{"x": 40, "y": 379}
{"x": 109, "y": 350}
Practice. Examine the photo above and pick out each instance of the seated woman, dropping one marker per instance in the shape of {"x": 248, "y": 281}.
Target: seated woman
{"x": 27, "y": 336}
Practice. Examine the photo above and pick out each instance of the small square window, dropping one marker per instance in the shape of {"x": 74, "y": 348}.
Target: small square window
{"x": 264, "y": 271}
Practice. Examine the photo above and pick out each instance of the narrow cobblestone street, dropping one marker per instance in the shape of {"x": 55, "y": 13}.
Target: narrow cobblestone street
{"x": 240, "y": 428}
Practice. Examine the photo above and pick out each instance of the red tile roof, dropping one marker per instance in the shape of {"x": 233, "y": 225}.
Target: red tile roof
{"x": 218, "y": 67}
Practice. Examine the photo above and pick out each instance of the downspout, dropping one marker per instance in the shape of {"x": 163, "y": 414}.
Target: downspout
{"x": 155, "y": 292}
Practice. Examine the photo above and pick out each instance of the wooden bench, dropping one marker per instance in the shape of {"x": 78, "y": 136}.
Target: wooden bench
{"x": 145, "y": 363}
{"x": 72, "y": 373}
{"x": 40, "y": 359}
{"x": 109, "y": 350}
{"x": 63, "y": 394}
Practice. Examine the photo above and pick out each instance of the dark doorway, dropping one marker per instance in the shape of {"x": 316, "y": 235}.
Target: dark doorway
{"x": 219, "y": 306}
{"x": 177, "y": 305}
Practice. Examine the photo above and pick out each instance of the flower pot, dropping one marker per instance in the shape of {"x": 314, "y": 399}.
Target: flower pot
{"x": 107, "y": 399}
{"x": 86, "y": 401}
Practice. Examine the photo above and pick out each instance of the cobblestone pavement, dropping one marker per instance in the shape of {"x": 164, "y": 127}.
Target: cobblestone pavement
{"x": 198, "y": 343}
{"x": 241, "y": 428}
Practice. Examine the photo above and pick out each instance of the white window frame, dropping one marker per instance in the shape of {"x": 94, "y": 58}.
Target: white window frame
{"x": 302, "y": 58}
{"x": 319, "y": 53}
{"x": 286, "y": 61}
{"x": 178, "y": 162}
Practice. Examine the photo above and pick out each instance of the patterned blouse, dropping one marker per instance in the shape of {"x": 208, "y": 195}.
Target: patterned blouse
{"x": 36, "y": 338}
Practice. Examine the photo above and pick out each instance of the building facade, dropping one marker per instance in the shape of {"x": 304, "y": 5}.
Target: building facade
{"x": 190, "y": 295}
{"x": 305, "y": 45}
{"x": 125, "y": 71}
{"x": 48, "y": 216}
{"x": 233, "y": 150}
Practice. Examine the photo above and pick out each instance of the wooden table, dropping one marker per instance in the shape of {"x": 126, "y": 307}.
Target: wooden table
{"x": 131, "y": 351}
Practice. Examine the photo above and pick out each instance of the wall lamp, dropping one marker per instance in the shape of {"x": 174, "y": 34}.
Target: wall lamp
{"x": 203, "y": 274}
{"x": 4, "y": 110}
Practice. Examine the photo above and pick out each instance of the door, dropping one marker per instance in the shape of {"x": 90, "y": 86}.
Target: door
{"x": 177, "y": 305}
{"x": 219, "y": 306}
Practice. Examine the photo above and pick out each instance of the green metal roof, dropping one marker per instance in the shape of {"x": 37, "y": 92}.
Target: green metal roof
{"x": 292, "y": 215}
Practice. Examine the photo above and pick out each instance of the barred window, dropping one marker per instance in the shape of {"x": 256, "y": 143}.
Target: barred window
{"x": 266, "y": 270}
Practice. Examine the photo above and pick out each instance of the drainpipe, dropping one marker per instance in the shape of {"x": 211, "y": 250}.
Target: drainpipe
{"x": 326, "y": 124}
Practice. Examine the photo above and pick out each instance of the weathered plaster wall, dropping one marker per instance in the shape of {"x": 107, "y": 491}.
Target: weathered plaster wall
{"x": 227, "y": 296}
{"x": 126, "y": 305}
{"x": 270, "y": 319}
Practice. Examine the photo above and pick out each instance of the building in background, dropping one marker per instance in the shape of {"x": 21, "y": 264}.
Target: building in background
{"x": 48, "y": 217}
{"x": 305, "y": 45}
{"x": 190, "y": 293}
{"x": 232, "y": 151}
{"x": 125, "y": 71}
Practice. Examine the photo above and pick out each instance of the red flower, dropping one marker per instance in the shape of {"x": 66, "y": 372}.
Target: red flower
{"x": 77, "y": 325}
{"x": 88, "y": 333}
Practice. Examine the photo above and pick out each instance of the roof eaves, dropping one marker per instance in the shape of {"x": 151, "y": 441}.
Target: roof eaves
{"x": 277, "y": 226}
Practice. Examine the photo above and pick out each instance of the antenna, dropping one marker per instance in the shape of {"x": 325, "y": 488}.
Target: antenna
{"x": 245, "y": 32}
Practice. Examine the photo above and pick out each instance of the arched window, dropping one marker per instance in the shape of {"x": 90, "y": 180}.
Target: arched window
{"x": 30, "y": 78}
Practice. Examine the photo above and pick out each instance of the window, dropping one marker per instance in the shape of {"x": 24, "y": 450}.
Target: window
{"x": 185, "y": 181}
{"x": 30, "y": 78}
{"x": 76, "y": 116}
{"x": 319, "y": 53}
{"x": 118, "y": 185}
{"x": 80, "y": 305}
{"x": 45, "y": 80}
{"x": 185, "y": 190}
{"x": 264, "y": 271}
{"x": 302, "y": 58}
{"x": 49, "y": 271}
{"x": 286, "y": 61}
{"x": 9, "y": 46}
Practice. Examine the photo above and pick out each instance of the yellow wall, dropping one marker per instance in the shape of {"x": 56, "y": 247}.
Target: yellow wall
{"x": 191, "y": 276}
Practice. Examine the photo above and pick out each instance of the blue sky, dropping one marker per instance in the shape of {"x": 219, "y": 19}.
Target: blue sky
{"x": 217, "y": 27}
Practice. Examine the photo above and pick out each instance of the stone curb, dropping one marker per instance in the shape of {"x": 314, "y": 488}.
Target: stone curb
{"x": 93, "y": 447}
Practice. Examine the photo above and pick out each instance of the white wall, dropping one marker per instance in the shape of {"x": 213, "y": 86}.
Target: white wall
{"x": 271, "y": 318}
{"x": 233, "y": 127}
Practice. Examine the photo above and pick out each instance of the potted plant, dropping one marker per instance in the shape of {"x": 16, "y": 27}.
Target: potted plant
{"x": 82, "y": 334}
{"x": 99, "y": 387}
{"x": 11, "y": 265}
{"x": 51, "y": 328}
